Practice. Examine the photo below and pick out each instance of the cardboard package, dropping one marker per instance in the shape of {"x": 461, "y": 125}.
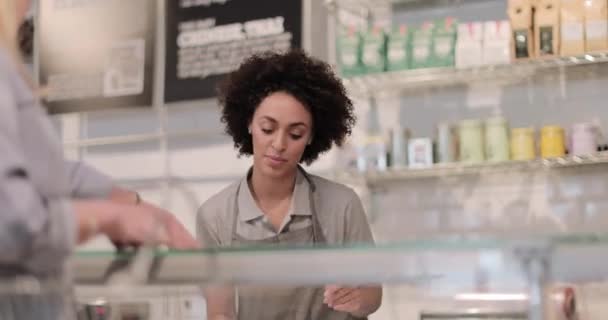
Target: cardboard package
{"x": 373, "y": 50}
{"x": 444, "y": 44}
{"x": 397, "y": 52}
{"x": 469, "y": 47}
{"x": 546, "y": 28}
{"x": 572, "y": 27}
{"x": 349, "y": 52}
{"x": 497, "y": 42}
{"x": 421, "y": 46}
{"x": 596, "y": 25}
{"x": 520, "y": 15}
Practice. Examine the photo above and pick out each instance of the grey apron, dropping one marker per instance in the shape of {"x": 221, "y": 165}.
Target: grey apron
{"x": 282, "y": 303}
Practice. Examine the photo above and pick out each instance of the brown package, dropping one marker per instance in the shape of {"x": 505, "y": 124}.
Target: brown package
{"x": 520, "y": 14}
{"x": 596, "y": 25}
{"x": 546, "y": 28}
{"x": 572, "y": 30}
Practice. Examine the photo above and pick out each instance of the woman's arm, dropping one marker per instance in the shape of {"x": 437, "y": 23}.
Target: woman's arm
{"x": 220, "y": 299}
{"x": 358, "y": 301}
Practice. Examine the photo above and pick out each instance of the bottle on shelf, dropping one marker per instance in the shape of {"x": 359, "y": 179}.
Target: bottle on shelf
{"x": 523, "y": 146}
{"x": 470, "y": 136}
{"x": 373, "y": 154}
{"x": 552, "y": 142}
{"x": 497, "y": 140}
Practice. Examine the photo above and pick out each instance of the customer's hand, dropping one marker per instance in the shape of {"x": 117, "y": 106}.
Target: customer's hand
{"x": 178, "y": 236}
{"x": 131, "y": 224}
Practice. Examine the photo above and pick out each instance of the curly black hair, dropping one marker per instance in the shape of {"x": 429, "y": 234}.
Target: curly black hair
{"x": 311, "y": 81}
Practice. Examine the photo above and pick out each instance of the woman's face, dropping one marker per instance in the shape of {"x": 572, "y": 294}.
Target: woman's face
{"x": 281, "y": 128}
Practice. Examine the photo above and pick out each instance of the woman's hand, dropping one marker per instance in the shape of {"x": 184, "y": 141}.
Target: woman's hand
{"x": 358, "y": 301}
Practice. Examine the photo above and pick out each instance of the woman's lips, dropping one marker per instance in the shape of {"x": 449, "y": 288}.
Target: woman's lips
{"x": 275, "y": 161}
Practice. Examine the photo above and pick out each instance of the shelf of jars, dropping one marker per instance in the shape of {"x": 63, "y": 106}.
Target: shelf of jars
{"x": 374, "y": 177}
{"x": 398, "y": 81}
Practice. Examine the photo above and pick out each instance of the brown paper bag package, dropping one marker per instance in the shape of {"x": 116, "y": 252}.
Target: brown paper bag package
{"x": 572, "y": 30}
{"x": 596, "y": 25}
{"x": 520, "y": 14}
{"x": 546, "y": 28}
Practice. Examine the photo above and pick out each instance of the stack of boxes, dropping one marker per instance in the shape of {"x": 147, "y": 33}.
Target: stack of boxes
{"x": 483, "y": 43}
{"x": 558, "y": 27}
{"x": 534, "y": 29}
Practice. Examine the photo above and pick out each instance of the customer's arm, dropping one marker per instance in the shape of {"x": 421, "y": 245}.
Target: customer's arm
{"x": 87, "y": 182}
{"x": 36, "y": 232}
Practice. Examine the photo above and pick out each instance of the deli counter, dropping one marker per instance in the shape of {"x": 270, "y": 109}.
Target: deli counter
{"x": 485, "y": 278}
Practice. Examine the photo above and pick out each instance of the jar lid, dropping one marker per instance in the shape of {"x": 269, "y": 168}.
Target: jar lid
{"x": 552, "y": 128}
{"x": 470, "y": 123}
{"x": 583, "y": 126}
{"x": 527, "y": 130}
{"x": 496, "y": 121}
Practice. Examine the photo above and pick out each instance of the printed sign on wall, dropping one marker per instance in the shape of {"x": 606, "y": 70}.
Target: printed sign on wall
{"x": 96, "y": 54}
{"x": 207, "y": 39}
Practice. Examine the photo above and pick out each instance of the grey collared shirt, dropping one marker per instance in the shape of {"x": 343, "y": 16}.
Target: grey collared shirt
{"x": 252, "y": 224}
{"x": 37, "y": 227}
{"x": 339, "y": 209}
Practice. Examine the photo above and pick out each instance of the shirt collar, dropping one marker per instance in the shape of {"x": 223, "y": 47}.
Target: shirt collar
{"x": 300, "y": 202}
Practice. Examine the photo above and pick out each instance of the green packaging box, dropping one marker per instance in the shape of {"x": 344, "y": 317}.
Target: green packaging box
{"x": 373, "y": 50}
{"x": 398, "y": 49}
{"x": 444, "y": 44}
{"x": 421, "y": 47}
{"x": 349, "y": 52}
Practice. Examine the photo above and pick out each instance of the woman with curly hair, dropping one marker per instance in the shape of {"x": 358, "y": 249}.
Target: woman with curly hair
{"x": 285, "y": 109}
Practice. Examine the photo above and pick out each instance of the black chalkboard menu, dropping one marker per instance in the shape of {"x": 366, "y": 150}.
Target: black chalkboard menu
{"x": 207, "y": 39}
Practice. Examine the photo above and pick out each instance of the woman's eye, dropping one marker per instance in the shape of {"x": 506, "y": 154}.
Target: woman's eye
{"x": 267, "y": 131}
{"x": 296, "y": 136}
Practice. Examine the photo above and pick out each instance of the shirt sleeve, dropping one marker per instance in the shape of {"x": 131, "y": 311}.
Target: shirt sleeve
{"x": 36, "y": 233}
{"x": 207, "y": 227}
{"x": 87, "y": 182}
{"x": 357, "y": 228}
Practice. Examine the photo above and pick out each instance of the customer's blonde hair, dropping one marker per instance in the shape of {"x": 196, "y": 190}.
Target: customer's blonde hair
{"x": 9, "y": 27}
{"x": 9, "y": 32}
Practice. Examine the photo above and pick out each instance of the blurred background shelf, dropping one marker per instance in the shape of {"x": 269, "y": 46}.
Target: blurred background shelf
{"x": 398, "y": 81}
{"x": 457, "y": 169}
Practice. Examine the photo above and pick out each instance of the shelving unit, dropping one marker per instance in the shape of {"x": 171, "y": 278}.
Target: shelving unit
{"x": 456, "y": 169}
{"x": 396, "y": 81}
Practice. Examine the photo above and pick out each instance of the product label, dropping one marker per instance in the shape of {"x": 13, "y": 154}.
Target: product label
{"x": 546, "y": 40}
{"x": 572, "y": 31}
{"x": 443, "y": 47}
{"x": 597, "y": 29}
{"x": 396, "y": 53}
{"x": 349, "y": 58}
{"x": 371, "y": 55}
{"x": 421, "y": 51}
{"x": 521, "y": 39}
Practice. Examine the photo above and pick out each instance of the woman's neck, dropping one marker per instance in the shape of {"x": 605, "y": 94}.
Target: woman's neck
{"x": 272, "y": 189}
